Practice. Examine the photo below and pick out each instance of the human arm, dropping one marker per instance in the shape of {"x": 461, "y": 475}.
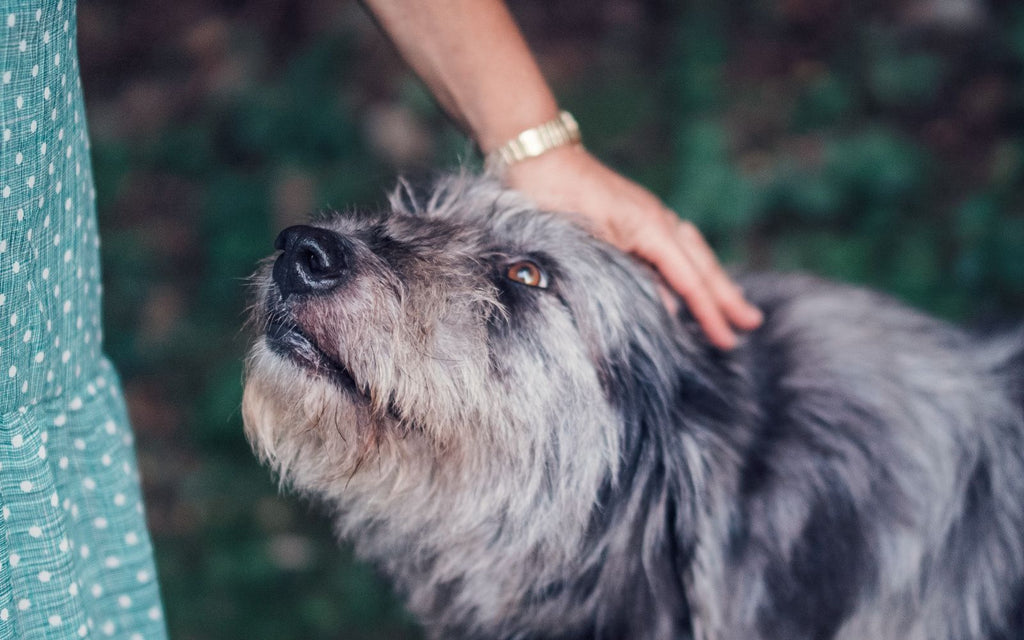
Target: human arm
{"x": 472, "y": 56}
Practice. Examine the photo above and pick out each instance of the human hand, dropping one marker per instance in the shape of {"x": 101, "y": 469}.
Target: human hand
{"x": 634, "y": 220}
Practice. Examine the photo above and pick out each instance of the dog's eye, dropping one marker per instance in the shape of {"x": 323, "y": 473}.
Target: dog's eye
{"x": 528, "y": 273}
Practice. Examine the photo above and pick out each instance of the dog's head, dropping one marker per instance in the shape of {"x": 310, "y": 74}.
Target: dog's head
{"x": 453, "y": 366}
{"x": 460, "y": 318}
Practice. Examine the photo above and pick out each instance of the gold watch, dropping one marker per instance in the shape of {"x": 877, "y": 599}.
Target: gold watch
{"x": 560, "y": 132}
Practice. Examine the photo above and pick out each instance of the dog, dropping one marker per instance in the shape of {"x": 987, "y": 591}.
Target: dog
{"x": 499, "y": 412}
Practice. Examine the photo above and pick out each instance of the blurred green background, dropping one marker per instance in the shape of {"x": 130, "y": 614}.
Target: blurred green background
{"x": 873, "y": 142}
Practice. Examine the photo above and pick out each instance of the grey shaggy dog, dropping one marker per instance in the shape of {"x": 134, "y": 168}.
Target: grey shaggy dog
{"x": 500, "y": 413}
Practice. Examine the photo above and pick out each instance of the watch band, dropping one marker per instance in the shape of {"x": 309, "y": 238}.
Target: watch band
{"x": 560, "y": 132}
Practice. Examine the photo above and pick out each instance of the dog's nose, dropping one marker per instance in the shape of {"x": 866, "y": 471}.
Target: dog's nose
{"x": 313, "y": 260}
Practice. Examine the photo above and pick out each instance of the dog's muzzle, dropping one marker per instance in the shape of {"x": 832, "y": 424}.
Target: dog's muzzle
{"x": 313, "y": 260}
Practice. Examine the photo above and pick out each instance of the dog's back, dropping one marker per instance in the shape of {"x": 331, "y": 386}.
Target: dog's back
{"x": 881, "y": 488}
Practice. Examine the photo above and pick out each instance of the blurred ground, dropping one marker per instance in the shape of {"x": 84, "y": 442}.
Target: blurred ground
{"x": 874, "y": 142}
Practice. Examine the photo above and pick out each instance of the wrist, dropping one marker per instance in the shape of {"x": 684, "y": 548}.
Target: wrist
{"x": 492, "y": 130}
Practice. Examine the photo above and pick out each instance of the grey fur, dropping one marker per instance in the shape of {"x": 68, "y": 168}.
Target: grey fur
{"x": 575, "y": 462}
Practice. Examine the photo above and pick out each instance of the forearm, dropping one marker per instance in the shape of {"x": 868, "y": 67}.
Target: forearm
{"x": 475, "y": 61}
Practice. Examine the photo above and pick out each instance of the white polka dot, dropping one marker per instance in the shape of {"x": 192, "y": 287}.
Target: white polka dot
{"x": 24, "y": 604}
{"x": 44, "y": 576}
{"x": 85, "y": 553}
{"x": 17, "y": 440}
{"x": 39, "y": 357}
{"x": 14, "y": 560}
{"x": 89, "y": 484}
{"x": 83, "y": 631}
{"x": 112, "y": 562}
{"x": 79, "y": 444}
{"x": 65, "y": 546}
{"x": 42, "y": 453}
{"x": 155, "y": 614}
{"x": 119, "y": 500}
{"x": 13, "y": 371}
{"x": 131, "y": 538}
{"x": 110, "y": 427}
{"x": 14, "y": 316}
{"x": 60, "y": 420}
{"x": 55, "y": 620}
{"x": 5, "y": 615}
{"x": 142, "y": 576}
{"x": 100, "y": 523}
{"x": 73, "y": 589}
{"x": 124, "y": 602}
{"x": 108, "y": 628}
{"x": 26, "y": 485}
{"x": 106, "y": 460}
{"x": 11, "y": 20}
{"x": 35, "y": 531}
{"x": 97, "y": 590}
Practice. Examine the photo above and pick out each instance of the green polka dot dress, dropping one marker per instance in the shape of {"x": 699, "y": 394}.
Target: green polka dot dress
{"x": 75, "y": 557}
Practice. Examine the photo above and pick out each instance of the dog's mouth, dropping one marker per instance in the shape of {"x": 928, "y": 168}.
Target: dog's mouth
{"x": 287, "y": 340}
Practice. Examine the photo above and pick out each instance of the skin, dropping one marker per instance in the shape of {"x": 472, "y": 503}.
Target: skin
{"x": 475, "y": 61}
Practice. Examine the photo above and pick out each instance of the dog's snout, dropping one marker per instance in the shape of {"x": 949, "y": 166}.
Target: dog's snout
{"x": 313, "y": 260}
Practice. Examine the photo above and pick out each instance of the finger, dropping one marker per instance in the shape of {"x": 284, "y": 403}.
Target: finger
{"x": 729, "y": 297}
{"x": 664, "y": 252}
{"x": 669, "y": 299}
